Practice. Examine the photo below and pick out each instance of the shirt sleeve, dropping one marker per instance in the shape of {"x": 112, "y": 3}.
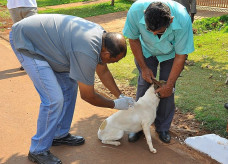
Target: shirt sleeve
{"x": 82, "y": 68}
{"x": 131, "y": 29}
{"x": 184, "y": 39}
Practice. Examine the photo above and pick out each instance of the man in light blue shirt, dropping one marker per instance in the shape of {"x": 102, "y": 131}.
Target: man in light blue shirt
{"x": 160, "y": 33}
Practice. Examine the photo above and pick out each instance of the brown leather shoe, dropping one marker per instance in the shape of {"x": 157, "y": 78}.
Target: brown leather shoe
{"x": 44, "y": 158}
{"x": 133, "y": 137}
{"x": 70, "y": 140}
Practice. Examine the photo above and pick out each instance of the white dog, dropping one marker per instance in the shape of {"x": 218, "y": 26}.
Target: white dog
{"x": 136, "y": 118}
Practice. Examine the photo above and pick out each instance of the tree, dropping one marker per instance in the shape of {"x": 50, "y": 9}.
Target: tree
{"x": 112, "y": 3}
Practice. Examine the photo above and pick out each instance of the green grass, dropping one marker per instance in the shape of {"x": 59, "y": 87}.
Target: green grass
{"x": 4, "y": 13}
{"x": 125, "y": 71}
{"x": 95, "y": 9}
{"x": 3, "y": 2}
{"x": 201, "y": 89}
{"x": 81, "y": 11}
{"x": 43, "y": 3}
{"x": 213, "y": 23}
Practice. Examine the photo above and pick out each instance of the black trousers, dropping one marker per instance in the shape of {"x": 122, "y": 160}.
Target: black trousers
{"x": 166, "y": 107}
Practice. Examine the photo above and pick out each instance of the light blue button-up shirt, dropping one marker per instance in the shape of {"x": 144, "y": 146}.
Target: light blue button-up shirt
{"x": 177, "y": 39}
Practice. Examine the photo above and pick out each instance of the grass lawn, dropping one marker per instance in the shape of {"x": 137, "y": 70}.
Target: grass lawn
{"x": 80, "y": 11}
{"x": 43, "y": 3}
{"x": 94, "y": 9}
{"x": 202, "y": 89}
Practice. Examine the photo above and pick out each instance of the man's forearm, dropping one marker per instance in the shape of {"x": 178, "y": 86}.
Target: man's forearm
{"x": 109, "y": 82}
{"x": 178, "y": 65}
{"x": 100, "y": 101}
{"x": 136, "y": 48}
{"x": 137, "y": 52}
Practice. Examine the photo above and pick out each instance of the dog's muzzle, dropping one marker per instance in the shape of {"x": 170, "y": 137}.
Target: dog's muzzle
{"x": 158, "y": 95}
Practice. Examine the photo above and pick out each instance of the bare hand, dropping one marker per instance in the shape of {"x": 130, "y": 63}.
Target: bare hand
{"x": 147, "y": 74}
{"x": 165, "y": 91}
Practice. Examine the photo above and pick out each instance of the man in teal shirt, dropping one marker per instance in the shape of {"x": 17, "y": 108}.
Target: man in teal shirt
{"x": 160, "y": 33}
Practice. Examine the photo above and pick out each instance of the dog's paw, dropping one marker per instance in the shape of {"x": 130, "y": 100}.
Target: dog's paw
{"x": 117, "y": 143}
{"x": 153, "y": 150}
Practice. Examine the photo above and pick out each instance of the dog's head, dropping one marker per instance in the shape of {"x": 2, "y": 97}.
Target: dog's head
{"x": 158, "y": 84}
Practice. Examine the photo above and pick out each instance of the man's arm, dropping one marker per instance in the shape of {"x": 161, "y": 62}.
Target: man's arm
{"x": 107, "y": 79}
{"x": 88, "y": 94}
{"x": 136, "y": 48}
{"x": 178, "y": 65}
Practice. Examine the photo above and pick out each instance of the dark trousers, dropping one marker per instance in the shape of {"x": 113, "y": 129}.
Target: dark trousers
{"x": 166, "y": 107}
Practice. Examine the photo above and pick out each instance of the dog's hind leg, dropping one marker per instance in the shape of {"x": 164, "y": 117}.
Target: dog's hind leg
{"x": 147, "y": 133}
{"x": 111, "y": 135}
{"x": 110, "y": 142}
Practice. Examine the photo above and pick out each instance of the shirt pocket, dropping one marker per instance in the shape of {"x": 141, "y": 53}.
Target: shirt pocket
{"x": 166, "y": 47}
{"x": 150, "y": 45}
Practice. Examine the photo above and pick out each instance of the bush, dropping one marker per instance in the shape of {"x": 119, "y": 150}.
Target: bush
{"x": 214, "y": 23}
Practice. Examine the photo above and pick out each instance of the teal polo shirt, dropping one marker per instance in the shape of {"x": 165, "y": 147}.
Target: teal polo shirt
{"x": 177, "y": 39}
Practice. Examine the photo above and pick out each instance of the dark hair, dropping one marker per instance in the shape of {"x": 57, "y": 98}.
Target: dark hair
{"x": 115, "y": 44}
{"x": 157, "y": 15}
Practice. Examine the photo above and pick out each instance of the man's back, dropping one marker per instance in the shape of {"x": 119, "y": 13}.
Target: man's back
{"x": 64, "y": 41}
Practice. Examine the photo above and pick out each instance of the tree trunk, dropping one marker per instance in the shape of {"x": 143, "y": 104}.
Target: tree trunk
{"x": 112, "y": 3}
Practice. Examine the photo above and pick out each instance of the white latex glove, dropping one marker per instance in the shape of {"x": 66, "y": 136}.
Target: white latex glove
{"x": 130, "y": 99}
{"x": 123, "y": 102}
{"x": 123, "y": 96}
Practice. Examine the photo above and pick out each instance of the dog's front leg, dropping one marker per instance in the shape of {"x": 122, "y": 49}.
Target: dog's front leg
{"x": 146, "y": 130}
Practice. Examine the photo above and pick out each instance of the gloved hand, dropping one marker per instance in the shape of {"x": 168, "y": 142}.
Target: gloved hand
{"x": 123, "y": 102}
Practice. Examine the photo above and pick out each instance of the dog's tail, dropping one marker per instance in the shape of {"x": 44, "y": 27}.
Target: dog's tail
{"x": 103, "y": 125}
{"x": 101, "y": 131}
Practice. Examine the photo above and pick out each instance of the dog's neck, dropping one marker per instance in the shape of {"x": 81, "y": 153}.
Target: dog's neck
{"x": 150, "y": 96}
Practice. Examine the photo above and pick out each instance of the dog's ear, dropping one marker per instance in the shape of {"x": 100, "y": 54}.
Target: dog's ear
{"x": 159, "y": 84}
{"x": 163, "y": 82}
{"x": 156, "y": 86}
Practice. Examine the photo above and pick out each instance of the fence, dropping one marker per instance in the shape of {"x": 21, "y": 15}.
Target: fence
{"x": 213, "y": 3}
